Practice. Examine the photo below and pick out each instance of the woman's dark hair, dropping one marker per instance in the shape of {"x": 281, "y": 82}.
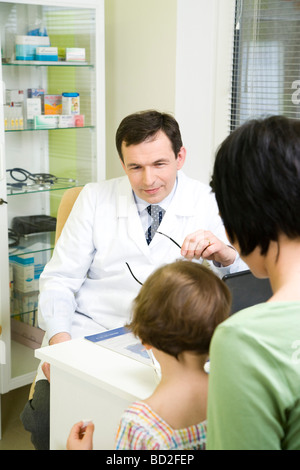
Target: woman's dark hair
{"x": 139, "y": 127}
{"x": 179, "y": 307}
{"x": 256, "y": 180}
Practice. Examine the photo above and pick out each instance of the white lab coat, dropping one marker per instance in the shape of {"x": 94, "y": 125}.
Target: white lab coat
{"x": 86, "y": 286}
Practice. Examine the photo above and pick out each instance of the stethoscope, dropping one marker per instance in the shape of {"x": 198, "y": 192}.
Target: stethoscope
{"x": 21, "y": 176}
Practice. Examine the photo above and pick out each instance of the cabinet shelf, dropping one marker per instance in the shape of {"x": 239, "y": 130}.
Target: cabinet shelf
{"x": 35, "y": 243}
{"x": 39, "y": 63}
{"x": 30, "y": 129}
{"x": 36, "y": 188}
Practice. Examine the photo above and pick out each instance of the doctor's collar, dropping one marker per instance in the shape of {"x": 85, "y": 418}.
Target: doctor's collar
{"x": 142, "y": 205}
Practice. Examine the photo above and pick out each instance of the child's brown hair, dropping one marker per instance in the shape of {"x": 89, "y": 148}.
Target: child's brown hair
{"x": 179, "y": 307}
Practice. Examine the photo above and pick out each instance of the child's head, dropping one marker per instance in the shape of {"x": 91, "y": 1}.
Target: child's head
{"x": 179, "y": 307}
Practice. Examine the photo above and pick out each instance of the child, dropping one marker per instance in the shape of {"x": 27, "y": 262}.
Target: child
{"x": 175, "y": 314}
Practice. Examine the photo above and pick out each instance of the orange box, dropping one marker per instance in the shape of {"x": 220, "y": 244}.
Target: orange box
{"x": 53, "y": 104}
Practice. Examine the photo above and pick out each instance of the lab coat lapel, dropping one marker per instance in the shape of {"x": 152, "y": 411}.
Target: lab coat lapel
{"x": 127, "y": 210}
{"x": 182, "y": 205}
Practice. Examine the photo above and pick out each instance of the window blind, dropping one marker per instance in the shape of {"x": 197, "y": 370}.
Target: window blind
{"x": 266, "y": 60}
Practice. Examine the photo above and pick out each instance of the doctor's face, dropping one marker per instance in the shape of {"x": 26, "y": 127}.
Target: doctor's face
{"x": 151, "y": 167}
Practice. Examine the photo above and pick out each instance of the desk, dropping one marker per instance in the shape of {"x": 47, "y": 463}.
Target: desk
{"x": 92, "y": 382}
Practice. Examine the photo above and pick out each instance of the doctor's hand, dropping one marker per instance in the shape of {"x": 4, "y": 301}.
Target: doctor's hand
{"x": 204, "y": 244}
{"x": 81, "y": 437}
{"x": 58, "y": 338}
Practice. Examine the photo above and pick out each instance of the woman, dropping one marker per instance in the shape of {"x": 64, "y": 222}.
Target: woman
{"x": 254, "y": 391}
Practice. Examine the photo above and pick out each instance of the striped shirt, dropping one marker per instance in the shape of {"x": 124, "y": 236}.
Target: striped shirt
{"x": 141, "y": 428}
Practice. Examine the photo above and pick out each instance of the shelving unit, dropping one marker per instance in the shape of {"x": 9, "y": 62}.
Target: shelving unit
{"x": 74, "y": 155}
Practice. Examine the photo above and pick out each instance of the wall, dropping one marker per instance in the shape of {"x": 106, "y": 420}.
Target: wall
{"x": 175, "y": 56}
{"x": 204, "y": 41}
{"x": 140, "y": 63}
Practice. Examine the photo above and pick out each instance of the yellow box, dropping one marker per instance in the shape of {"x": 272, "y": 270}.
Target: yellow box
{"x": 53, "y": 104}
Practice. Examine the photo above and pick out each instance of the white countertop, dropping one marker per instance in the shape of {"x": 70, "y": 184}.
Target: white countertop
{"x": 100, "y": 366}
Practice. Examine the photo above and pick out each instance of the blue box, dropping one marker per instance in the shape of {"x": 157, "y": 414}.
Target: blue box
{"x": 46, "y": 53}
{"x": 26, "y": 46}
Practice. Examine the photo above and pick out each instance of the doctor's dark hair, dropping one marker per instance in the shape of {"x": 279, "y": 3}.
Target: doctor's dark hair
{"x": 256, "y": 180}
{"x": 179, "y": 307}
{"x": 139, "y": 127}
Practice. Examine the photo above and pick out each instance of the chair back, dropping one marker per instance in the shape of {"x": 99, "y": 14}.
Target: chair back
{"x": 65, "y": 206}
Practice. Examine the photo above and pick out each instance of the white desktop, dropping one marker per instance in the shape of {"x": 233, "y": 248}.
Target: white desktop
{"x": 90, "y": 382}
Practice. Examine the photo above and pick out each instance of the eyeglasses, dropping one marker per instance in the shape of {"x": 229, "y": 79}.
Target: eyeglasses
{"x": 129, "y": 268}
{"x": 169, "y": 238}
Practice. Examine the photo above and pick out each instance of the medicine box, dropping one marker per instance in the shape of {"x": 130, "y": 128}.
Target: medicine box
{"x": 46, "y": 121}
{"x": 61, "y": 52}
{"x": 14, "y": 96}
{"x": 53, "y": 104}
{"x": 28, "y": 335}
{"x": 75, "y": 54}
{"x": 46, "y": 53}
{"x": 71, "y": 120}
{"x": 23, "y": 273}
{"x": 26, "y": 46}
{"x": 33, "y": 108}
{"x": 70, "y": 103}
{"x": 79, "y": 120}
{"x": 26, "y": 304}
{"x": 66, "y": 120}
{"x": 37, "y": 93}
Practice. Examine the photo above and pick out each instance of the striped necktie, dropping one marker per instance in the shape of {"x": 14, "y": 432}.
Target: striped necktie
{"x": 157, "y": 213}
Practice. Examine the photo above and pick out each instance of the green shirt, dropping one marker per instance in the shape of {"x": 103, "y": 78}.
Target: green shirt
{"x": 254, "y": 384}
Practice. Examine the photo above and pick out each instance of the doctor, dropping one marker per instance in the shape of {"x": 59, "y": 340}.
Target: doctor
{"x": 106, "y": 249}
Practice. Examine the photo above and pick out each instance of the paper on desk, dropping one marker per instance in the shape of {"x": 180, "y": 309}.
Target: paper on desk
{"x": 123, "y": 341}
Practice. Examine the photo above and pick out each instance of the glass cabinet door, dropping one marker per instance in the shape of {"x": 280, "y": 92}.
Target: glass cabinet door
{"x": 50, "y": 118}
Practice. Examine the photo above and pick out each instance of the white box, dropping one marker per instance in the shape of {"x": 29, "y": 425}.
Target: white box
{"x": 14, "y": 96}
{"x": 66, "y": 120}
{"x": 23, "y": 273}
{"x": 46, "y": 121}
{"x": 34, "y": 108}
{"x": 29, "y": 40}
{"x": 46, "y": 53}
{"x": 75, "y": 54}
